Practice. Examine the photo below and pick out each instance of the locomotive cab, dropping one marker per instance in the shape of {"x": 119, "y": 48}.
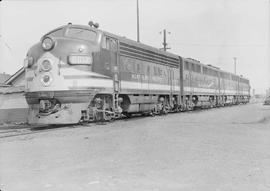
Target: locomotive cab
{"x": 73, "y": 44}
{"x": 64, "y": 72}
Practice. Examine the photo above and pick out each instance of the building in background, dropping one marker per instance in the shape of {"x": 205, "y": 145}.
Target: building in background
{"x": 268, "y": 92}
{"x": 3, "y": 78}
{"x": 13, "y": 106}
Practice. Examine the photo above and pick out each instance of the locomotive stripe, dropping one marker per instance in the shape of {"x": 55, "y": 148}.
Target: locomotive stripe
{"x": 69, "y": 77}
{"x": 71, "y": 73}
{"x": 142, "y": 91}
{"x": 145, "y": 86}
{"x": 107, "y": 83}
{"x": 229, "y": 91}
{"x": 206, "y": 90}
{"x": 190, "y": 89}
{"x": 94, "y": 89}
{"x": 93, "y": 82}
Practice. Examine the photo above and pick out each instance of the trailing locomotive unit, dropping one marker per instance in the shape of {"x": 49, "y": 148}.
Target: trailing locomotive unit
{"x": 80, "y": 73}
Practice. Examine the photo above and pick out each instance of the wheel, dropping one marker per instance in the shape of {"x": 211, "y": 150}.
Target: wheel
{"x": 107, "y": 116}
{"x": 128, "y": 115}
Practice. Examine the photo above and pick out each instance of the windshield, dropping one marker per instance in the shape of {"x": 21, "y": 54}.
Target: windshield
{"x": 56, "y": 33}
{"x": 82, "y": 34}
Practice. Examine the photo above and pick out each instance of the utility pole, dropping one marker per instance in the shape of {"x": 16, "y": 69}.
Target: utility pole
{"x": 165, "y": 44}
{"x": 138, "y": 22}
{"x": 269, "y": 45}
{"x": 234, "y": 61}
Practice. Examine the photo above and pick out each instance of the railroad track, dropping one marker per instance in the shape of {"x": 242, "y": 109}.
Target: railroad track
{"x": 28, "y": 130}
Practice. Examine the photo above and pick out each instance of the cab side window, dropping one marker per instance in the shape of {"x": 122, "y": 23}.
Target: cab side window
{"x": 109, "y": 44}
{"x": 113, "y": 45}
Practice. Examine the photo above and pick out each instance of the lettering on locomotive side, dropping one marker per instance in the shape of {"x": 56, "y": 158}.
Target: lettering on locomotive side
{"x": 143, "y": 70}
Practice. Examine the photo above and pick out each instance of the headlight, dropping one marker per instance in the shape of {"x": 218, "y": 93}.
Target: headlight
{"x": 46, "y": 65}
{"x": 47, "y": 43}
{"x": 80, "y": 59}
{"x": 46, "y": 79}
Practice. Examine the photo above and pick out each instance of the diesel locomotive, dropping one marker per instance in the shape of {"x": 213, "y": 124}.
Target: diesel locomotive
{"x": 80, "y": 73}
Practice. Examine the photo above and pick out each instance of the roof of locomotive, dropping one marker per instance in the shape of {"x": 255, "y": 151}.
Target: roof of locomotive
{"x": 68, "y": 25}
{"x": 120, "y": 38}
{"x": 144, "y": 46}
{"x": 141, "y": 45}
{"x": 214, "y": 68}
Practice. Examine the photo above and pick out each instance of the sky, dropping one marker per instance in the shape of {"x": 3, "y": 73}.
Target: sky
{"x": 211, "y": 31}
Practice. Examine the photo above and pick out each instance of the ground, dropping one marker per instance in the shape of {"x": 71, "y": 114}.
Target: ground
{"x": 219, "y": 149}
